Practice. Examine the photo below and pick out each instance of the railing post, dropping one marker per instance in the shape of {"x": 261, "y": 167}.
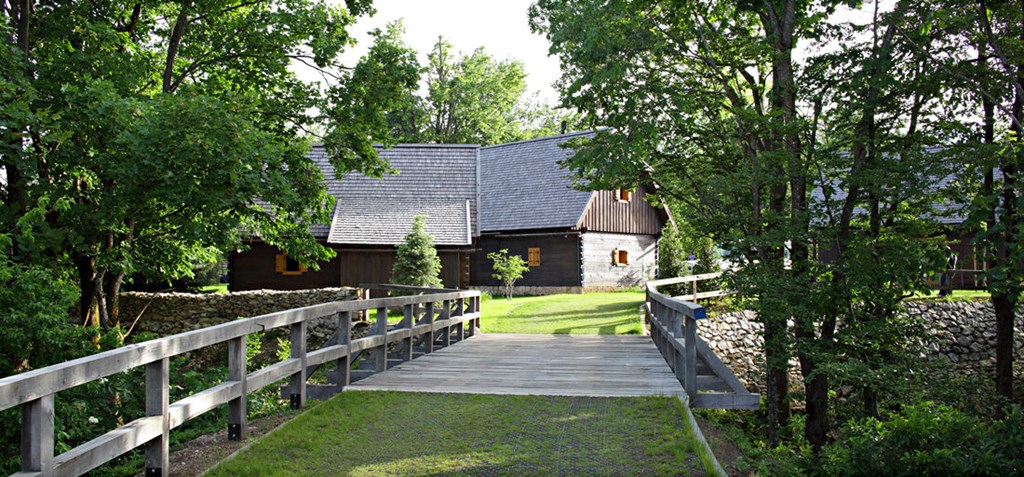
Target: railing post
{"x": 381, "y": 353}
{"x": 428, "y": 318}
{"x": 690, "y": 358}
{"x": 474, "y": 307}
{"x": 37, "y": 435}
{"x": 157, "y": 404}
{"x": 695, "y": 291}
{"x": 343, "y": 373}
{"x": 460, "y": 329}
{"x": 238, "y": 426}
{"x": 407, "y": 323}
{"x": 446, "y": 314}
{"x": 678, "y": 361}
{"x": 298, "y": 380}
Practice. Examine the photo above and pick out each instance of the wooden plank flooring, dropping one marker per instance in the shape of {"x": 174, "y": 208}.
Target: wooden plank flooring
{"x": 554, "y": 365}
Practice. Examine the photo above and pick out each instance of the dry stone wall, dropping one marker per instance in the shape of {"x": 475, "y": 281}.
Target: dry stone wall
{"x": 962, "y": 333}
{"x": 171, "y": 313}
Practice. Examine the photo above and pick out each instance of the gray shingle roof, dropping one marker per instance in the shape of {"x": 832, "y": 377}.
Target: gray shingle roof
{"x": 523, "y": 187}
{"x": 432, "y": 180}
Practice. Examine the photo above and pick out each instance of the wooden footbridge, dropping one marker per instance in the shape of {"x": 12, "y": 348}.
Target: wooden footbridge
{"x": 412, "y": 355}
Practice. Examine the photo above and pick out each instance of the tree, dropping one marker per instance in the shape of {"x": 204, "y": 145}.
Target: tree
{"x": 155, "y": 133}
{"x": 507, "y": 269}
{"x": 710, "y": 97}
{"x": 416, "y": 261}
{"x": 473, "y": 99}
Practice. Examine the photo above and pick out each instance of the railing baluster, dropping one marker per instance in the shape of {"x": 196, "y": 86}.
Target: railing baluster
{"x": 298, "y": 380}
{"x": 37, "y": 435}
{"x": 407, "y": 323}
{"x": 157, "y": 404}
{"x": 381, "y": 353}
{"x": 342, "y": 373}
{"x": 238, "y": 426}
{"x": 460, "y": 329}
{"x": 446, "y": 314}
{"x": 428, "y": 342}
{"x": 690, "y": 359}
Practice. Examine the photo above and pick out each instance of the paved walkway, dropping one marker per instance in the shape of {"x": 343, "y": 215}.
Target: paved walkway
{"x": 552, "y": 365}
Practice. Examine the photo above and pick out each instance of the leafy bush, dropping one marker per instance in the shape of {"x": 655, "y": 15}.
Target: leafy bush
{"x": 507, "y": 269}
{"x": 416, "y": 260}
{"x": 928, "y": 439}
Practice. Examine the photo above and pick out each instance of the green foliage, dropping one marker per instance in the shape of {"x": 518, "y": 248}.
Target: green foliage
{"x": 152, "y": 135}
{"x": 928, "y": 439}
{"x": 683, "y": 251}
{"x": 507, "y": 269}
{"x": 473, "y": 99}
{"x": 416, "y": 261}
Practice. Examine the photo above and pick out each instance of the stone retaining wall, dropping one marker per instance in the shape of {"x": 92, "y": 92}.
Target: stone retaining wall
{"x": 171, "y": 313}
{"x": 962, "y": 333}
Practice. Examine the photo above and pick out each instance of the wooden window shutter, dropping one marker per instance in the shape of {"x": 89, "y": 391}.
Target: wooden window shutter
{"x": 534, "y": 256}
{"x": 280, "y": 263}
{"x": 623, "y": 257}
{"x": 615, "y": 257}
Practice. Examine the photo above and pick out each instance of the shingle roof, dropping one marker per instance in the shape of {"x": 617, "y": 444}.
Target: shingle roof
{"x": 523, "y": 187}
{"x": 432, "y": 180}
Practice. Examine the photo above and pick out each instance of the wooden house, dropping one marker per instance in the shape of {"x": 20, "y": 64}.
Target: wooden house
{"x": 476, "y": 200}
{"x": 573, "y": 240}
{"x": 372, "y": 216}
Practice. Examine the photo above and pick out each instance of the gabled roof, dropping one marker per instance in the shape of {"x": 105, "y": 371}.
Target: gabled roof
{"x": 439, "y": 181}
{"x": 523, "y": 187}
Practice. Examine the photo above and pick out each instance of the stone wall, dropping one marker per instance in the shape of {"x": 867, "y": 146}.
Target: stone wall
{"x": 962, "y": 333}
{"x": 171, "y": 313}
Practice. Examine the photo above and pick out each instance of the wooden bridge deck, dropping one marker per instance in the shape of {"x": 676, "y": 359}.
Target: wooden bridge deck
{"x": 555, "y": 365}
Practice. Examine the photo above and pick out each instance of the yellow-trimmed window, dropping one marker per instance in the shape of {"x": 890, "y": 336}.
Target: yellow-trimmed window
{"x": 620, "y": 257}
{"x": 623, "y": 194}
{"x": 286, "y": 265}
{"x": 533, "y": 256}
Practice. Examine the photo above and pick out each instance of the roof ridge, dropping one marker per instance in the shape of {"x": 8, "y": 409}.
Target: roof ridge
{"x": 537, "y": 139}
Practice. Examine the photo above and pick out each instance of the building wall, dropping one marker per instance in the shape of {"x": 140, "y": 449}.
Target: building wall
{"x": 599, "y": 269}
{"x": 559, "y": 254}
{"x": 635, "y": 216}
{"x": 255, "y": 269}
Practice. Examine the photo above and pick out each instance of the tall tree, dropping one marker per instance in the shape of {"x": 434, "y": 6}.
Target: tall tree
{"x": 711, "y": 96}
{"x": 473, "y": 99}
{"x": 152, "y": 132}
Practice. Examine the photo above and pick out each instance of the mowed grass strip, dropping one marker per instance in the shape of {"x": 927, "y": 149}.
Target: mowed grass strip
{"x": 614, "y": 313}
{"x": 415, "y": 434}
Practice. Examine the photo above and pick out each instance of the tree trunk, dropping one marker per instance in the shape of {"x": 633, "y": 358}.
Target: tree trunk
{"x": 89, "y": 310}
{"x": 1004, "y": 308}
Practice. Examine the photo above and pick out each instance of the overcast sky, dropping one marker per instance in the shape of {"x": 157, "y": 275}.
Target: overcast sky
{"x": 501, "y": 27}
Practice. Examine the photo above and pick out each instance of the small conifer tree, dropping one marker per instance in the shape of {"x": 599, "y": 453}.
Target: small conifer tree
{"x": 508, "y": 269}
{"x": 417, "y": 263}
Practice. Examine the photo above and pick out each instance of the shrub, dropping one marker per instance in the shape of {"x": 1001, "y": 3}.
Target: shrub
{"x": 928, "y": 439}
{"x": 507, "y": 269}
{"x": 416, "y": 262}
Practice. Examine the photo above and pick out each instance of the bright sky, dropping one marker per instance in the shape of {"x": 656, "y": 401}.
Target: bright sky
{"x": 501, "y": 27}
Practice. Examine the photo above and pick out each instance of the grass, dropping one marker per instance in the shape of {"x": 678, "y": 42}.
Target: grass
{"x": 592, "y": 313}
{"x": 402, "y": 434}
{"x": 217, "y": 288}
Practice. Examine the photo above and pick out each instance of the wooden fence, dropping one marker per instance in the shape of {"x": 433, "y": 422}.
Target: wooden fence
{"x": 673, "y": 328}
{"x": 34, "y": 390}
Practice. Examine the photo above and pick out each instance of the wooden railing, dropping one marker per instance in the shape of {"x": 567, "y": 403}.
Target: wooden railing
{"x": 34, "y": 390}
{"x": 673, "y": 328}
{"x": 693, "y": 280}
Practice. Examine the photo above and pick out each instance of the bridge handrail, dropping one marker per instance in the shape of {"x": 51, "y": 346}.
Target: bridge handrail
{"x": 34, "y": 390}
{"x": 674, "y": 331}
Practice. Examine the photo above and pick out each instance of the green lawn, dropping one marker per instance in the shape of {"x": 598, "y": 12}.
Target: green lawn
{"x": 406, "y": 434}
{"x": 591, "y": 313}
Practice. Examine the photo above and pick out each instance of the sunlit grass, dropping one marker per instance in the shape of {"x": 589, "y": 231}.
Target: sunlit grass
{"x": 405, "y": 434}
{"x": 614, "y": 313}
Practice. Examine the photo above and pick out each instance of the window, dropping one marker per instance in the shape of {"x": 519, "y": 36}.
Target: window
{"x": 620, "y": 257}
{"x": 286, "y": 265}
{"x": 623, "y": 194}
{"x": 534, "y": 257}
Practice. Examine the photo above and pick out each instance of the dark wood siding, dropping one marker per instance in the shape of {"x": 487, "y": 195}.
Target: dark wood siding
{"x": 636, "y": 216}
{"x": 559, "y": 259}
{"x": 254, "y": 269}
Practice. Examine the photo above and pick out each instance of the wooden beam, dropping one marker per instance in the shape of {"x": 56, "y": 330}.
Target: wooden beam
{"x": 238, "y": 426}
{"x": 37, "y": 435}
{"x": 158, "y": 461}
{"x": 297, "y": 383}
